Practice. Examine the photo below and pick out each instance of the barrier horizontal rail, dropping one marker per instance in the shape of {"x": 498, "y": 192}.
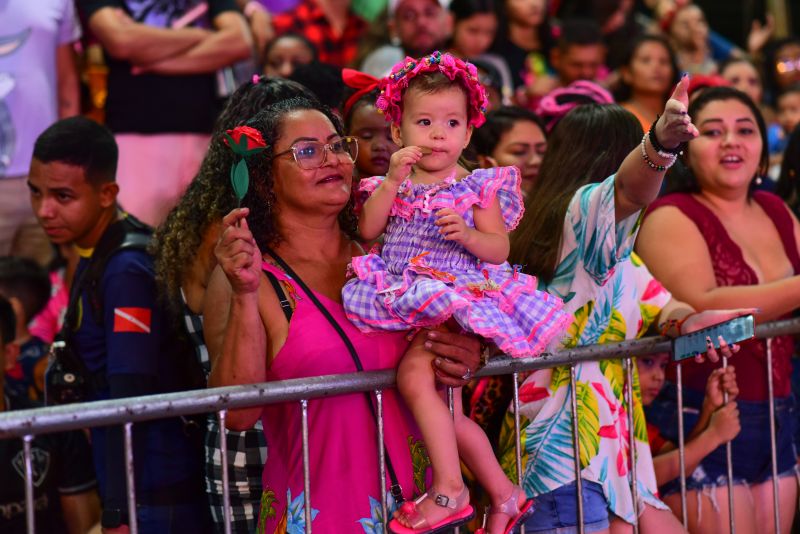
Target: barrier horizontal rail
{"x": 136, "y": 409}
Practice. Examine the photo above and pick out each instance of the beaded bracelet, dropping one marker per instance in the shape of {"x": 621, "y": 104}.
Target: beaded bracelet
{"x": 669, "y": 324}
{"x": 663, "y": 151}
{"x": 652, "y": 164}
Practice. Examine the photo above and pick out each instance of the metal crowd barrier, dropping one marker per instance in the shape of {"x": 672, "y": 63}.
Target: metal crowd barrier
{"x": 26, "y": 424}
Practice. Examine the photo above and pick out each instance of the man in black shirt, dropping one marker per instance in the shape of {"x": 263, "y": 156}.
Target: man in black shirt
{"x": 63, "y": 477}
{"x": 164, "y": 59}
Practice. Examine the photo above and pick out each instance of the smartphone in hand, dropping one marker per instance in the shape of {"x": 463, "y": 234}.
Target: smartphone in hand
{"x": 732, "y": 331}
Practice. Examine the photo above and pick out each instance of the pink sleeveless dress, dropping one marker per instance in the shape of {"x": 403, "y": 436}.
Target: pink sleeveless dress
{"x": 345, "y": 491}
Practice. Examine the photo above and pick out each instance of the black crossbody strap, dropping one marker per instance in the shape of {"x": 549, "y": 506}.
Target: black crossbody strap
{"x": 286, "y": 306}
{"x": 396, "y": 490}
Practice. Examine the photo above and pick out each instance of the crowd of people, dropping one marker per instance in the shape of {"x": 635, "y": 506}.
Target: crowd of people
{"x": 223, "y": 192}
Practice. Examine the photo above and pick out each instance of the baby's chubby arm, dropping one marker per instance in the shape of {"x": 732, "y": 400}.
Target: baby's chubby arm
{"x": 375, "y": 212}
{"x": 488, "y": 241}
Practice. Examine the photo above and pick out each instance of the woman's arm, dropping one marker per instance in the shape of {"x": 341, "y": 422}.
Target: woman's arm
{"x": 488, "y": 241}
{"x": 234, "y": 330}
{"x": 376, "y": 209}
{"x": 676, "y": 253}
{"x": 636, "y": 184}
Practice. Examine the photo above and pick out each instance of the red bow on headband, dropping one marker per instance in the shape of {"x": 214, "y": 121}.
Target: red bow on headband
{"x": 357, "y": 80}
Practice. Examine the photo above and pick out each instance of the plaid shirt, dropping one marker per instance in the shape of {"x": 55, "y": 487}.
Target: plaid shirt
{"x": 247, "y": 452}
{"x": 309, "y": 20}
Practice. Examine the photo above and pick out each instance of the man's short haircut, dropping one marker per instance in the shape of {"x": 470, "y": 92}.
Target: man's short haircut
{"x": 81, "y": 142}
{"x": 579, "y": 32}
{"x": 8, "y": 322}
{"x": 27, "y": 281}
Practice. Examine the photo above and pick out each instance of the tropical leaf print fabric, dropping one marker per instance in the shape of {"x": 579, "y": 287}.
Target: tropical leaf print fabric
{"x": 613, "y": 298}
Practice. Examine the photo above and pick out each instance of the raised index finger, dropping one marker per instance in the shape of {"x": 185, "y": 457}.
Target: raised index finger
{"x": 681, "y": 92}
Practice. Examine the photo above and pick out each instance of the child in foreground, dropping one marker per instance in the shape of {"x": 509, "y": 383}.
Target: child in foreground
{"x": 444, "y": 261}
{"x": 717, "y": 424}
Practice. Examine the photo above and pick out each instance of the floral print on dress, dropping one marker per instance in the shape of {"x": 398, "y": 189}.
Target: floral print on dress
{"x": 374, "y": 524}
{"x": 613, "y": 298}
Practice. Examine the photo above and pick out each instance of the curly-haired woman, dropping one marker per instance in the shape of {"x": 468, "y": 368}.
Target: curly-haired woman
{"x": 183, "y": 247}
{"x": 263, "y": 323}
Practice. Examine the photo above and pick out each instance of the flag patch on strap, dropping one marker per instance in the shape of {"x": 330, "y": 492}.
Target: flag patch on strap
{"x": 136, "y": 320}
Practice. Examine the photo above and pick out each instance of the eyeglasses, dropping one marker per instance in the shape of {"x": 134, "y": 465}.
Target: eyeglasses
{"x": 310, "y": 155}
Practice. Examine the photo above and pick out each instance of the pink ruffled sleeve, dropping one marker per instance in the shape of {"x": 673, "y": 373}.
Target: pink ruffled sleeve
{"x": 503, "y": 183}
{"x": 366, "y": 187}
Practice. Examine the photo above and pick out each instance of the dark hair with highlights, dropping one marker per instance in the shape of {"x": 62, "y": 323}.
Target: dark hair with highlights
{"x": 587, "y": 146}
{"x": 681, "y": 178}
{"x": 210, "y": 197}
{"x": 262, "y": 200}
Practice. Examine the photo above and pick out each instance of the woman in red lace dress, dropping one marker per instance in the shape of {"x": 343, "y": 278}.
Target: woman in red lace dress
{"x": 716, "y": 242}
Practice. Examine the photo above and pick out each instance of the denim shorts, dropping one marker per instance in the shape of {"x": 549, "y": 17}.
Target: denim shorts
{"x": 556, "y": 512}
{"x": 752, "y": 459}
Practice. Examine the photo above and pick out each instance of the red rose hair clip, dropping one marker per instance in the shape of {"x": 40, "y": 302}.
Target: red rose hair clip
{"x": 393, "y": 86}
{"x": 244, "y": 141}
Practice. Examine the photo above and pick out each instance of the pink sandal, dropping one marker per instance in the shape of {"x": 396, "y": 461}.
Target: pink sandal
{"x": 463, "y": 512}
{"x": 510, "y": 507}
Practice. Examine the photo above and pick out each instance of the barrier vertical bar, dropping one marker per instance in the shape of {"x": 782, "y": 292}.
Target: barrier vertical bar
{"x": 632, "y": 441}
{"x": 681, "y": 451}
{"x": 306, "y": 465}
{"x": 772, "y": 438}
{"x": 30, "y": 516}
{"x": 729, "y": 464}
{"x": 381, "y": 457}
{"x": 517, "y": 437}
{"x": 223, "y": 453}
{"x": 133, "y": 520}
{"x": 451, "y": 405}
{"x": 573, "y": 382}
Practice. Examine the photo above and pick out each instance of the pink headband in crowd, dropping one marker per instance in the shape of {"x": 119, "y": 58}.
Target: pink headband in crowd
{"x": 393, "y": 86}
{"x": 558, "y": 102}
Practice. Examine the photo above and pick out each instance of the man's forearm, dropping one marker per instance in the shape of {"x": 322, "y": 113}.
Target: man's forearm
{"x": 138, "y": 43}
{"x": 217, "y": 50}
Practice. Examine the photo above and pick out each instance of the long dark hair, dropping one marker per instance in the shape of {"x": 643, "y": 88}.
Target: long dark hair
{"x": 588, "y": 145}
{"x": 625, "y": 91}
{"x": 681, "y": 178}
{"x": 262, "y": 199}
{"x": 210, "y": 197}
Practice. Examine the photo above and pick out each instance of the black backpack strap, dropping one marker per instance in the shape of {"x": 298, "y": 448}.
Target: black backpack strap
{"x": 128, "y": 232}
{"x": 286, "y": 306}
{"x": 396, "y": 489}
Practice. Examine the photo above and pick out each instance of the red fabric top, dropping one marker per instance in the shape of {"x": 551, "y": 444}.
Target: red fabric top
{"x": 656, "y": 440}
{"x": 730, "y": 269}
{"x": 309, "y": 20}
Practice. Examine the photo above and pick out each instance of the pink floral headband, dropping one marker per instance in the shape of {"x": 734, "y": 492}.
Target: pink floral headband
{"x": 393, "y": 86}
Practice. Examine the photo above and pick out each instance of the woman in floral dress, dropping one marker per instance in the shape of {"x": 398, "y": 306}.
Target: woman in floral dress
{"x": 590, "y": 266}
